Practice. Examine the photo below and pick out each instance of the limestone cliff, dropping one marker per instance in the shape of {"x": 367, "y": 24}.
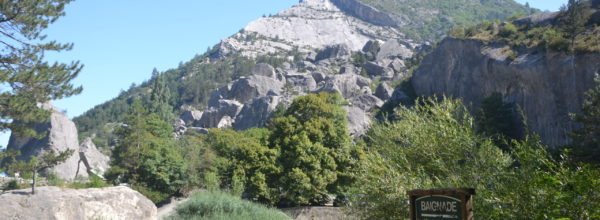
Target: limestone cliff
{"x": 547, "y": 85}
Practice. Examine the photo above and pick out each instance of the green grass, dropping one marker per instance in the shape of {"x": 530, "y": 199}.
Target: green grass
{"x": 221, "y": 205}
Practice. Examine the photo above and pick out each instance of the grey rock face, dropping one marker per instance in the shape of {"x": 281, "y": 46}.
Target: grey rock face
{"x": 348, "y": 85}
{"x": 302, "y": 82}
{"x": 339, "y": 51}
{"x": 394, "y": 49}
{"x": 397, "y": 65}
{"x": 254, "y": 86}
{"x": 91, "y": 160}
{"x": 319, "y": 76}
{"x": 256, "y": 113}
{"x": 358, "y": 120}
{"x": 53, "y": 203}
{"x": 366, "y": 102}
{"x": 213, "y": 117}
{"x": 189, "y": 116}
{"x": 373, "y": 69}
{"x": 540, "y": 19}
{"x": 547, "y": 86}
{"x": 263, "y": 69}
{"x": 384, "y": 91}
{"x": 61, "y": 135}
{"x": 365, "y": 12}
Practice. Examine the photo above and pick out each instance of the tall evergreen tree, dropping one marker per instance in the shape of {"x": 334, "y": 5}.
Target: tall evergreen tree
{"x": 29, "y": 79}
{"x": 587, "y": 138}
{"x": 574, "y": 19}
{"x": 160, "y": 97}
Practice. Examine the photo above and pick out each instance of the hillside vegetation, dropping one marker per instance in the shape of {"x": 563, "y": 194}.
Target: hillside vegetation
{"x": 431, "y": 19}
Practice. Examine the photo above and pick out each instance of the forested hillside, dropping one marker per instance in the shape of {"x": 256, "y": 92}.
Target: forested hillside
{"x": 428, "y": 20}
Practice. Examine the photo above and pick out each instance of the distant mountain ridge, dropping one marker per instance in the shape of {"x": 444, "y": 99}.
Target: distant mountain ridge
{"x": 339, "y": 45}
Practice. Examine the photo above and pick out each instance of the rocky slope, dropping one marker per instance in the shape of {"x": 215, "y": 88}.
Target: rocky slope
{"x": 547, "y": 85}
{"x": 53, "y": 203}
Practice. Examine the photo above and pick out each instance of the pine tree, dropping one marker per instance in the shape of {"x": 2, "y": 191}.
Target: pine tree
{"x": 574, "y": 19}
{"x": 30, "y": 79}
{"x": 587, "y": 138}
{"x": 160, "y": 97}
{"x": 36, "y": 164}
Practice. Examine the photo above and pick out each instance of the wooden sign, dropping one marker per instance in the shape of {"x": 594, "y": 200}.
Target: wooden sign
{"x": 441, "y": 204}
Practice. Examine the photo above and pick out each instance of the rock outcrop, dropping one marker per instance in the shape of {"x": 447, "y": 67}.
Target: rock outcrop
{"x": 53, "y": 203}
{"x": 548, "y": 86}
{"x": 365, "y": 12}
{"x": 92, "y": 161}
{"x": 60, "y": 135}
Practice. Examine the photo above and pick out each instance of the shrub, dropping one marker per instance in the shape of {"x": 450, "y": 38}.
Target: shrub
{"x": 220, "y": 205}
{"x": 12, "y": 185}
{"x": 508, "y": 30}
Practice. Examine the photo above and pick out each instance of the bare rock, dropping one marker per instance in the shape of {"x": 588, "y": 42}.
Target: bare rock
{"x": 304, "y": 83}
{"x": 91, "y": 160}
{"x": 190, "y": 116}
{"x": 366, "y": 102}
{"x": 339, "y": 51}
{"x": 393, "y": 48}
{"x": 318, "y": 76}
{"x": 397, "y": 65}
{"x": 547, "y": 86}
{"x": 53, "y": 203}
{"x": 348, "y": 85}
{"x": 384, "y": 91}
{"x": 254, "y": 86}
{"x": 61, "y": 135}
{"x": 255, "y": 113}
{"x": 213, "y": 117}
{"x": 374, "y": 69}
{"x": 540, "y": 19}
{"x": 358, "y": 120}
{"x": 263, "y": 69}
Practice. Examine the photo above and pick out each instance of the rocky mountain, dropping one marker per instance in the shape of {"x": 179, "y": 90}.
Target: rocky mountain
{"x": 118, "y": 203}
{"x": 356, "y": 48}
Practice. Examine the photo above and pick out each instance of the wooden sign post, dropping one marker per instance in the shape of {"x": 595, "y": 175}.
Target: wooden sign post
{"x": 441, "y": 204}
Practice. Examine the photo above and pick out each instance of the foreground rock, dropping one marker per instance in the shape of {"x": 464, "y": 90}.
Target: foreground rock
{"x": 53, "y": 203}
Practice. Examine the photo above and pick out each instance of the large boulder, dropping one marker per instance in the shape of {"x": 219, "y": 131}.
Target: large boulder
{"x": 304, "y": 83}
{"x": 255, "y": 113}
{"x": 384, "y": 91}
{"x": 339, "y": 51}
{"x": 374, "y": 69}
{"x": 366, "y": 102}
{"x": 190, "y": 116}
{"x": 348, "y": 85}
{"x": 60, "y": 135}
{"x": 263, "y": 69}
{"x": 393, "y": 48}
{"x": 53, "y": 203}
{"x": 245, "y": 89}
{"x": 358, "y": 120}
{"x": 213, "y": 117}
{"x": 91, "y": 160}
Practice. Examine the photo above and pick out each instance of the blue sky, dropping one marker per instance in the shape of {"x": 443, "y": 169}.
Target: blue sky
{"x": 121, "y": 41}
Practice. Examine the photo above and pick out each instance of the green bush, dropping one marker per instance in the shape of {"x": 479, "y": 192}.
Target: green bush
{"x": 508, "y": 30}
{"x": 12, "y": 185}
{"x": 434, "y": 145}
{"x": 220, "y": 205}
{"x": 155, "y": 196}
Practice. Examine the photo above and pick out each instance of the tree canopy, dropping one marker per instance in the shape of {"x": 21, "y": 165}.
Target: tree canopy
{"x": 28, "y": 78}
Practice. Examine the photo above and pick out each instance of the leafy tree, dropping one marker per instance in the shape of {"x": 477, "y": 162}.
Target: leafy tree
{"x": 147, "y": 156}
{"x": 314, "y": 146}
{"x": 29, "y": 79}
{"x": 434, "y": 145}
{"x": 47, "y": 160}
{"x": 587, "y": 138}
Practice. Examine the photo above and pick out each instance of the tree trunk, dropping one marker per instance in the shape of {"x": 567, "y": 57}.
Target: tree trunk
{"x": 33, "y": 182}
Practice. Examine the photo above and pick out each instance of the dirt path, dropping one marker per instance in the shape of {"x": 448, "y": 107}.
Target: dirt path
{"x": 168, "y": 209}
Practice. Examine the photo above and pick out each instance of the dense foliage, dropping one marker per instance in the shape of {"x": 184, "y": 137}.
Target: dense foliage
{"x": 587, "y": 138}
{"x": 435, "y": 145}
{"x": 147, "y": 156}
{"x": 305, "y": 156}
{"x": 220, "y": 205}
{"x": 26, "y": 78}
{"x": 428, "y": 20}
